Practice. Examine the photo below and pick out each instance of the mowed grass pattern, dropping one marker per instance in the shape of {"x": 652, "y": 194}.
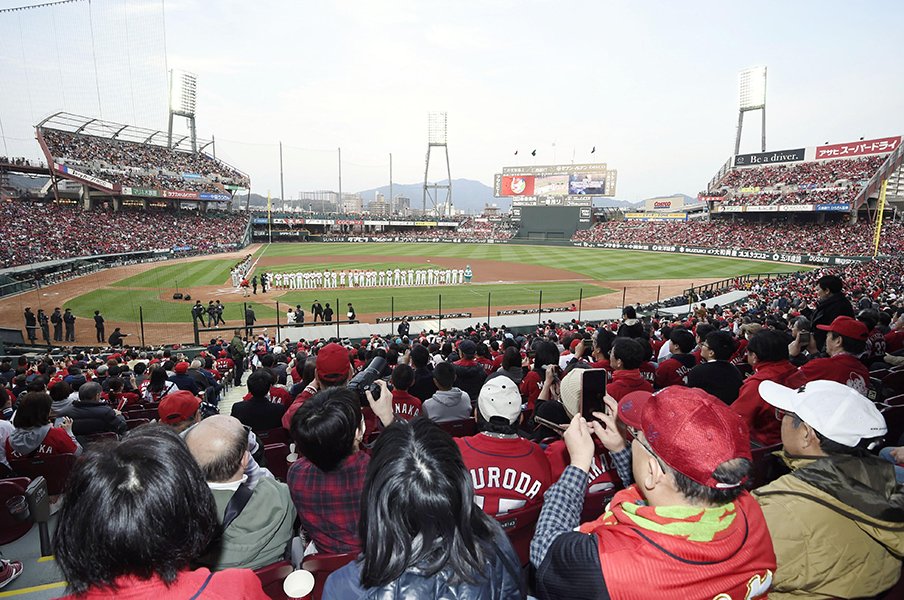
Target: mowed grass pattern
{"x": 121, "y": 302}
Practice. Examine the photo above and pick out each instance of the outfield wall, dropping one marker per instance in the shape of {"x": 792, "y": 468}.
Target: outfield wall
{"x": 778, "y": 257}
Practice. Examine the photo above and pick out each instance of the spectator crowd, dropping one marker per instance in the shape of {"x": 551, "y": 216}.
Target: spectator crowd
{"x": 140, "y": 164}
{"x": 734, "y": 453}
{"x": 34, "y": 232}
{"x": 834, "y": 237}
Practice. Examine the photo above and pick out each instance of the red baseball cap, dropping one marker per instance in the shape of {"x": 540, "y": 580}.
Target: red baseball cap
{"x": 332, "y": 363}
{"x": 574, "y": 343}
{"x": 181, "y": 368}
{"x": 178, "y": 406}
{"x": 848, "y": 327}
{"x": 690, "y": 430}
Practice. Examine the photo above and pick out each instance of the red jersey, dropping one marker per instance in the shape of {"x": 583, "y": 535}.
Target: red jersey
{"x": 277, "y": 395}
{"x": 507, "y": 473}
{"x": 57, "y": 441}
{"x": 293, "y": 408}
{"x": 648, "y": 372}
{"x": 405, "y": 405}
{"x": 759, "y": 416}
{"x": 627, "y": 381}
{"x": 603, "y": 475}
{"x": 894, "y": 340}
{"x": 639, "y": 562}
{"x": 844, "y": 368}
{"x": 488, "y": 365}
{"x": 674, "y": 370}
{"x": 224, "y": 364}
{"x": 530, "y": 388}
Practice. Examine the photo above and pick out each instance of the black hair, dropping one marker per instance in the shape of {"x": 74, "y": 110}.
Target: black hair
{"x": 115, "y": 384}
{"x": 420, "y": 356}
{"x": 511, "y": 358}
{"x": 60, "y": 391}
{"x": 137, "y": 507}
{"x": 259, "y": 383}
{"x": 684, "y": 339}
{"x": 702, "y": 330}
{"x": 869, "y": 317}
{"x": 604, "y": 339}
{"x": 629, "y": 351}
{"x": 402, "y": 377}
{"x": 308, "y": 370}
{"x": 33, "y": 410}
{"x": 768, "y": 345}
{"x": 832, "y": 283}
{"x": 444, "y": 375}
{"x": 417, "y": 488}
{"x": 849, "y": 344}
{"x": 158, "y": 379}
{"x": 733, "y": 472}
{"x": 267, "y": 360}
{"x": 545, "y": 353}
{"x": 326, "y": 425}
{"x": 721, "y": 343}
{"x": 629, "y": 312}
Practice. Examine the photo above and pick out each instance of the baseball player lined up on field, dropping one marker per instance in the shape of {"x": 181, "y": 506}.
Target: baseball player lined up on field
{"x": 305, "y": 280}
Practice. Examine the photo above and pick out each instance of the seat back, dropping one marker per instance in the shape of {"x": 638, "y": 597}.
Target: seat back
{"x": 276, "y": 459}
{"x": 519, "y": 526}
{"x": 12, "y": 527}
{"x": 52, "y": 467}
{"x": 897, "y": 400}
{"x": 321, "y": 565}
{"x": 144, "y": 413}
{"x": 595, "y": 504}
{"x": 87, "y": 440}
{"x": 894, "y": 419}
{"x": 133, "y": 423}
{"x": 766, "y": 467}
{"x": 273, "y": 436}
{"x": 272, "y": 577}
{"x": 462, "y": 428}
{"x": 894, "y": 383}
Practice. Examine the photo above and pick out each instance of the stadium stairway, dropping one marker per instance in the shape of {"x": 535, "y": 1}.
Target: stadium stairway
{"x": 40, "y": 578}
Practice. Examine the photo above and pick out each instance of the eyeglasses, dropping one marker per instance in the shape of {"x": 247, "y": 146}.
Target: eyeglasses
{"x": 781, "y": 414}
{"x": 646, "y": 446}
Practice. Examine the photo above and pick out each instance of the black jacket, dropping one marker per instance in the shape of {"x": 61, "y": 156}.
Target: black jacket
{"x": 502, "y": 581}
{"x": 259, "y": 414}
{"x": 833, "y": 305}
{"x": 423, "y": 386}
{"x": 93, "y": 417}
{"x": 719, "y": 378}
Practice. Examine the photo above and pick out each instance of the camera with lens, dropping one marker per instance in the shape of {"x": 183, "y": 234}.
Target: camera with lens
{"x": 366, "y": 378}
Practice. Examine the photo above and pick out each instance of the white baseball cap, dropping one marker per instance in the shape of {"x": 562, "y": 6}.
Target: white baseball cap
{"x": 499, "y": 397}
{"x": 833, "y": 409}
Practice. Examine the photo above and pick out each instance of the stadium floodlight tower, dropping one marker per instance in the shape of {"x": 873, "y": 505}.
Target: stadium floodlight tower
{"x": 752, "y": 96}
{"x": 183, "y": 87}
{"x": 436, "y": 138}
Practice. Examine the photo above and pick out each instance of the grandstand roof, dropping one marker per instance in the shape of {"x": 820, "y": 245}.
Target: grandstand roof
{"x": 73, "y": 123}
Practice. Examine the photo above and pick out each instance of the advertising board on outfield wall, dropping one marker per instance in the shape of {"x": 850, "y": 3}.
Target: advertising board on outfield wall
{"x": 555, "y": 181}
{"x": 732, "y": 253}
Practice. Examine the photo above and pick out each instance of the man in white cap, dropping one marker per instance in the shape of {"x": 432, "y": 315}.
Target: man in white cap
{"x": 508, "y": 471}
{"x": 837, "y": 520}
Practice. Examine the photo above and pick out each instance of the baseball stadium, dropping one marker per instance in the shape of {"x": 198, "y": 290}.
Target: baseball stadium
{"x": 425, "y": 390}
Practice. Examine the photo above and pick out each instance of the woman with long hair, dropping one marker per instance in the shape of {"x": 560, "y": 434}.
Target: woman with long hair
{"x": 422, "y": 534}
{"x": 158, "y": 386}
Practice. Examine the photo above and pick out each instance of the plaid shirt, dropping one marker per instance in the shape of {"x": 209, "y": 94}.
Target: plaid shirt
{"x": 329, "y": 504}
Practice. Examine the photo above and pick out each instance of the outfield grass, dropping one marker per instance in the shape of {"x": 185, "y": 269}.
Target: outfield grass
{"x": 596, "y": 263}
{"x": 121, "y": 301}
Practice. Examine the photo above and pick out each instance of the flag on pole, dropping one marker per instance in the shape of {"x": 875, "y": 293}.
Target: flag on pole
{"x": 516, "y": 153}
{"x": 534, "y": 153}
{"x": 593, "y": 150}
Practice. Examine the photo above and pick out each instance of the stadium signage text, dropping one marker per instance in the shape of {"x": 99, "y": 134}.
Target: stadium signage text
{"x": 84, "y": 176}
{"x": 766, "y": 158}
{"x": 877, "y": 146}
{"x": 532, "y": 311}
{"x": 732, "y": 253}
{"x": 462, "y": 315}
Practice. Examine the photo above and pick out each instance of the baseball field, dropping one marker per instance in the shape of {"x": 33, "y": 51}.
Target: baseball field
{"x": 505, "y": 276}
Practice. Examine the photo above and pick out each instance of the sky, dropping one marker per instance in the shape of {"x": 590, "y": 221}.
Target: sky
{"x": 651, "y": 85}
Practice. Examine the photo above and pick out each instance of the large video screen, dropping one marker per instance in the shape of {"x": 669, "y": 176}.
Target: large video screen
{"x": 555, "y": 181}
